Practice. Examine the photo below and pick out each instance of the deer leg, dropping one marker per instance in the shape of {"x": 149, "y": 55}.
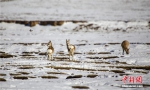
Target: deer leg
{"x": 69, "y": 57}
{"x": 72, "y": 57}
{"x": 48, "y": 57}
{"x": 123, "y": 51}
{"x": 52, "y": 57}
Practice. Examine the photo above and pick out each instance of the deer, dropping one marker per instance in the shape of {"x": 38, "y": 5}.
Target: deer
{"x": 125, "y": 46}
{"x": 50, "y": 51}
{"x": 71, "y": 49}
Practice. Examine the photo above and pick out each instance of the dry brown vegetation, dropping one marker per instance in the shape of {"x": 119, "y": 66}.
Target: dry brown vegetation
{"x": 75, "y": 68}
{"x": 49, "y": 77}
{"x": 2, "y": 74}
{"x": 2, "y": 79}
{"x": 146, "y": 85}
{"x": 42, "y": 53}
{"x": 117, "y": 71}
{"x": 92, "y": 75}
{"x": 104, "y": 53}
{"x": 108, "y": 57}
{"x": 80, "y": 87}
{"x": 2, "y": 52}
{"x": 55, "y": 73}
{"x": 26, "y": 67}
{"x": 91, "y": 53}
{"x": 27, "y": 55}
{"x": 74, "y": 76}
{"x": 143, "y": 72}
{"x": 134, "y": 67}
{"x": 34, "y": 23}
{"x": 30, "y": 53}
{"x": 15, "y": 74}
{"x": 77, "y": 53}
{"x": 98, "y": 62}
{"x": 25, "y": 73}
{"x": 21, "y": 77}
{"x": 6, "y": 55}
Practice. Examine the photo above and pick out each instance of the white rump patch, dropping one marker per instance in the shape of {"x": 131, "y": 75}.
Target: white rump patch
{"x": 49, "y": 51}
{"x": 71, "y": 47}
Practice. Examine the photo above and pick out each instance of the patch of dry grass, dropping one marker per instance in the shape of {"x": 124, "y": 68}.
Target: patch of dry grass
{"x": 144, "y": 72}
{"x": 2, "y": 52}
{"x": 49, "y": 77}
{"x": 104, "y": 53}
{"x": 31, "y": 77}
{"x": 75, "y": 76}
{"x": 5, "y": 55}
{"x": 134, "y": 67}
{"x": 61, "y": 58}
{"x": 146, "y": 85}
{"x": 2, "y": 74}
{"x": 26, "y": 73}
{"x": 29, "y": 57}
{"x": 25, "y": 44}
{"x": 80, "y": 87}
{"x": 117, "y": 71}
{"x": 55, "y": 73}
{"x": 58, "y": 67}
{"x": 98, "y": 62}
{"x": 2, "y": 79}
{"x": 91, "y": 53}
{"x": 109, "y": 57}
{"x": 92, "y": 75}
{"x": 26, "y": 67}
{"x": 30, "y": 52}
{"x": 66, "y": 59}
{"x": 80, "y": 44}
{"x": 121, "y": 74}
{"x": 77, "y": 53}
{"x": 26, "y": 55}
{"x": 75, "y": 68}
{"x": 15, "y": 74}
{"x": 98, "y": 43}
{"x": 42, "y": 53}
{"x": 21, "y": 77}
{"x": 114, "y": 43}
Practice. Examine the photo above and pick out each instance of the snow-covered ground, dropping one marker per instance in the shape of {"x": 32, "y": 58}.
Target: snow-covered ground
{"x": 21, "y": 40}
{"x": 99, "y": 63}
{"x": 89, "y": 10}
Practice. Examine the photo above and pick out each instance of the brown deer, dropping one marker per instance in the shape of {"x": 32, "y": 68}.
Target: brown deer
{"x": 125, "y": 46}
{"x": 71, "y": 48}
{"x": 50, "y": 50}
